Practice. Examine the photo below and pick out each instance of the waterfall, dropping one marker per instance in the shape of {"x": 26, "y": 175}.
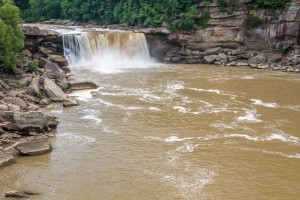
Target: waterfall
{"x": 106, "y": 49}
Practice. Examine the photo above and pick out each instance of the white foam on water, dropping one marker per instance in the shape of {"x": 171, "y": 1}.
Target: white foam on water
{"x": 130, "y": 107}
{"x": 297, "y": 155}
{"x": 248, "y": 77}
{"x": 261, "y": 103}
{"x": 91, "y": 117}
{"x": 108, "y": 130}
{"x": 188, "y": 185}
{"x": 174, "y": 86}
{"x": 282, "y": 137}
{"x": 250, "y": 116}
{"x": 177, "y": 139}
{"x": 155, "y": 109}
{"x": 206, "y": 90}
{"x": 83, "y": 94}
{"x": 290, "y": 107}
{"x": 181, "y": 109}
{"x": 187, "y": 148}
{"x": 106, "y": 103}
{"x": 56, "y": 111}
{"x": 222, "y": 126}
{"x": 248, "y": 137}
{"x": 80, "y": 139}
{"x": 153, "y": 138}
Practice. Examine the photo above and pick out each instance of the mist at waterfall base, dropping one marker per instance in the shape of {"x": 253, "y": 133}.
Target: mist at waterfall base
{"x": 107, "y": 51}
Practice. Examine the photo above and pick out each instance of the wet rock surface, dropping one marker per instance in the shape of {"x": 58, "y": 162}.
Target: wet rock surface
{"x": 19, "y": 194}
{"x": 33, "y": 146}
{"x": 6, "y": 159}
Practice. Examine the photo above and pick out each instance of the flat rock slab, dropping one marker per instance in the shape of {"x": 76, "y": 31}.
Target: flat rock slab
{"x": 6, "y": 159}
{"x": 33, "y": 146}
{"x": 83, "y": 86}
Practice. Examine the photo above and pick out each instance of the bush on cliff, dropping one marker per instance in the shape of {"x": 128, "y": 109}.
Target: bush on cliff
{"x": 271, "y": 3}
{"x": 252, "y": 20}
{"x": 11, "y": 37}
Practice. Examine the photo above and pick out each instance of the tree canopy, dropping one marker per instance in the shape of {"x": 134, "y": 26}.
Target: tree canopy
{"x": 11, "y": 37}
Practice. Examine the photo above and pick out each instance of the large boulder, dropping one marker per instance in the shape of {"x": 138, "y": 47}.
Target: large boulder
{"x": 3, "y": 107}
{"x": 27, "y": 121}
{"x": 45, "y": 50}
{"x": 212, "y": 51}
{"x": 6, "y": 159}
{"x": 256, "y": 60}
{"x": 16, "y": 101}
{"x": 25, "y": 81}
{"x": 53, "y": 91}
{"x": 210, "y": 59}
{"x": 36, "y": 121}
{"x": 296, "y": 61}
{"x": 33, "y": 146}
{"x": 34, "y": 87}
{"x": 61, "y": 61}
{"x": 43, "y": 61}
{"x": 235, "y": 52}
{"x": 4, "y": 85}
{"x": 52, "y": 71}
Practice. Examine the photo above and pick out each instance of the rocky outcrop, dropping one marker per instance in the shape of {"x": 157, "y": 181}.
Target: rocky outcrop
{"x": 226, "y": 41}
{"x": 27, "y": 122}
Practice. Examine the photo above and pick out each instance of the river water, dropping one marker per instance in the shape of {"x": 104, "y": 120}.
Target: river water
{"x": 172, "y": 132}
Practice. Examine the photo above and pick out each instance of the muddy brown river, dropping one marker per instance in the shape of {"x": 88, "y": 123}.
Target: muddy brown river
{"x": 172, "y": 132}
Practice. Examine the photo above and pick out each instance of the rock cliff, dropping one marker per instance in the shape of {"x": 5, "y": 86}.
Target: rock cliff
{"x": 277, "y": 39}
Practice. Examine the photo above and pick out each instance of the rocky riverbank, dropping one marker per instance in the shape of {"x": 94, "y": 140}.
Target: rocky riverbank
{"x": 42, "y": 78}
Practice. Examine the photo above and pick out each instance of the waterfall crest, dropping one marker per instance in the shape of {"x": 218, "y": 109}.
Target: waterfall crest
{"x": 106, "y": 48}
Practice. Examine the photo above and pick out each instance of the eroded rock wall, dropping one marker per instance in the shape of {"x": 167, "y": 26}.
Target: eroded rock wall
{"x": 277, "y": 40}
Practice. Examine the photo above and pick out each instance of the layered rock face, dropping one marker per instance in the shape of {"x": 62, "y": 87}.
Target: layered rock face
{"x": 226, "y": 41}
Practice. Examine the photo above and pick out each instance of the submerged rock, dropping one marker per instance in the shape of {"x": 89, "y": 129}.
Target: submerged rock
{"x": 33, "y": 146}
{"x": 6, "y": 159}
{"x": 70, "y": 102}
{"x": 19, "y": 194}
{"x": 82, "y": 86}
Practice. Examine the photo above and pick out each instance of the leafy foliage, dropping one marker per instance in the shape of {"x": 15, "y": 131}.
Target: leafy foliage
{"x": 40, "y": 10}
{"x": 32, "y": 66}
{"x": 11, "y": 37}
{"x": 271, "y": 3}
{"x": 253, "y": 20}
{"x": 178, "y": 14}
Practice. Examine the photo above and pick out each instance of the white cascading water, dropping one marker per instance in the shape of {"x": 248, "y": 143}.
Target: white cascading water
{"x": 106, "y": 50}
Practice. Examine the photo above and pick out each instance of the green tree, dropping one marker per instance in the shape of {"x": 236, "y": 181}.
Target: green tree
{"x": 22, "y": 4}
{"x": 11, "y": 37}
